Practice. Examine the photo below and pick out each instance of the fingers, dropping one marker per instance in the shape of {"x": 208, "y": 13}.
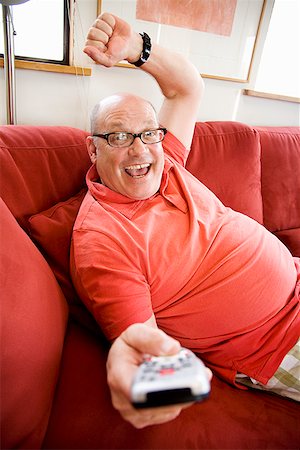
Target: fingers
{"x": 124, "y": 357}
{"x": 100, "y": 32}
{"x": 127, "y": 353}
{"x": 98, "y": 37}
{"x": 95, "y": 52}
{"x": 123, "y": 360}
{"x": 108, "y": 19}
{"x": 150, "y": 340}
{"x": 102, "y": 28}
{"x": 209, "y": 373}
{"x": 111, "y": 40}
{"x": 150, "y": 417}
{"x": 141, "y": 418}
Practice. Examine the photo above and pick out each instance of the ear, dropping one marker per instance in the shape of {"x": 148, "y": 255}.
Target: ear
{"x": 91, "y": 148}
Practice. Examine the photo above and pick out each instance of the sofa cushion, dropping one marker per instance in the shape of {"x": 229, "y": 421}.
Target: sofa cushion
{"x": 291, "y": 239}
{"x": 45, "y": 164}
{"x": 52, "y": 232}
{"x": 229, "y": 419}
{"x": 281, "y": 177}
{"x": 34, "y": 316}
{"x": 225, "y": 156}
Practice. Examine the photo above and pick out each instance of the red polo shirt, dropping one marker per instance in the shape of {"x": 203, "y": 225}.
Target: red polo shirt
{"x": 215, "y": 279}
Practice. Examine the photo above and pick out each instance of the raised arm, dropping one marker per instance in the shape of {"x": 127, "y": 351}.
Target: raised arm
{"x": 111, "y": 40}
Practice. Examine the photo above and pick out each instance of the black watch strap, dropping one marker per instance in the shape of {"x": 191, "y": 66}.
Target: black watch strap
{"x": 146, "y": 50}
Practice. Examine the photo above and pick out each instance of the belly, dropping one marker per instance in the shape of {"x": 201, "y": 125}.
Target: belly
{"x": 232, "y": 280}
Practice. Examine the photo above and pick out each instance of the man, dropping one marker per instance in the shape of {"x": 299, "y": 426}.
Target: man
{"x": 151, "y": 245}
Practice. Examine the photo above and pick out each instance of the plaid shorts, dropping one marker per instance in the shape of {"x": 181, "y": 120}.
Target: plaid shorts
{"x": 285, "y": 381}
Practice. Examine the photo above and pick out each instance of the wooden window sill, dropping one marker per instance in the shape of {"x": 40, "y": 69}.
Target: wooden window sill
{"x": 284, "y": 98}
{"x": 47, "y": 67}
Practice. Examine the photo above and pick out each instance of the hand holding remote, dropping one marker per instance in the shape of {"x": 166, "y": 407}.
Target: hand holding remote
{"x": 125, "y": 356}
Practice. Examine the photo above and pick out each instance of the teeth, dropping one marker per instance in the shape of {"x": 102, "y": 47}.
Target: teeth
{"x": 137, "y": 166}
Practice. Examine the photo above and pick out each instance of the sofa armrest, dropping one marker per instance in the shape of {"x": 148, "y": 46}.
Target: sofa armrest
{"x": 34, "y": 318}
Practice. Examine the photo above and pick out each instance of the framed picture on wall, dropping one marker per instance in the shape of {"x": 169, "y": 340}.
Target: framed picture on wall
{"x": 218, "y": 36}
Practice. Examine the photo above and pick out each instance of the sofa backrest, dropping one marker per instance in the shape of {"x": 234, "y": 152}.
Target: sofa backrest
{"x": 280, "y": 163}
{"x": 225, "y": 156}
{"x": 250, "y": 169}
{"x": 254, "y": 170}
{"x": 40, "y": 166}
{"x": 42, "y": 183}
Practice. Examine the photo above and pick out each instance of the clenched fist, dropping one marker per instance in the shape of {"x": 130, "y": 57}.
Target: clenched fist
{"x": 111, "y": 40}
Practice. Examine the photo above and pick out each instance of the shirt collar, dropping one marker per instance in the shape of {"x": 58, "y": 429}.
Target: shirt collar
{"x": 125, "y": 205}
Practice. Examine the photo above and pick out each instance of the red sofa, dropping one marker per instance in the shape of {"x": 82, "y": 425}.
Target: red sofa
{"x": 54, "y": 393}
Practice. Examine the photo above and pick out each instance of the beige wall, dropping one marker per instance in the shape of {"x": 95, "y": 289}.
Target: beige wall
{"x": 60, "y": 99}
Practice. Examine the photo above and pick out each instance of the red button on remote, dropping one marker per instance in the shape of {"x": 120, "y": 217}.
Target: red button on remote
{"x": 166, "y": 371}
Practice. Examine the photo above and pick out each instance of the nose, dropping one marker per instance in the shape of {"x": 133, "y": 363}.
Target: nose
{"x": 137, "y": 147}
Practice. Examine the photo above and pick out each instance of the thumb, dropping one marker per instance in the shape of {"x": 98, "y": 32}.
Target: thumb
{"x": 101, "y": 57}
{"x": 146, "y": 339}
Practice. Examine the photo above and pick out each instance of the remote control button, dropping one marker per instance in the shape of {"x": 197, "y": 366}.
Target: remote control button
{"x": 166, "y": 371}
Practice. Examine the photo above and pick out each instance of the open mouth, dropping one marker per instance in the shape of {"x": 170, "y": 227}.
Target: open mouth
{"x": 138, "y": 170}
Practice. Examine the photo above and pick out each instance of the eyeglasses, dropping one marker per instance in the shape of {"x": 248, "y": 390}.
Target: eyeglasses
{"x": 121, "y": 139}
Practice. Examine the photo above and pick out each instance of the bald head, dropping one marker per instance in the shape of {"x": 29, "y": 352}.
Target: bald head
{"x": 113, "y": 104}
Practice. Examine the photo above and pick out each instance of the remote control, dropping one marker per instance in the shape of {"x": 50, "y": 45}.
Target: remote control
{"x": 166, "y": 380}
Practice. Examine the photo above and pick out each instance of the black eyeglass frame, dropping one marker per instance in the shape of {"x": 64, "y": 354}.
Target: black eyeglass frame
{"x": 134, "y": 136}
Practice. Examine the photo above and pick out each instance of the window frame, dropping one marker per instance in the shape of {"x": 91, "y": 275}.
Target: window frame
{"x": 66, "y": 42}
{"x": 46, "y": 65}
{"x": 252, "y": 89}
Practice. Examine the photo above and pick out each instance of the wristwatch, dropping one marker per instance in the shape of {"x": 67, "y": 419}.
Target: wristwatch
{"x": 146, "y": 50}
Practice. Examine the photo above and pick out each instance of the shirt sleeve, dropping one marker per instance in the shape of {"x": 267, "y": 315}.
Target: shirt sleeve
{"x": 175, "y": 149}
{"x": 109, "y": 282}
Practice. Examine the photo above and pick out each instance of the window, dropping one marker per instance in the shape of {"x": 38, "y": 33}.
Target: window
{"x": 42, "y": 31}
{"x": 279, "y": 69}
